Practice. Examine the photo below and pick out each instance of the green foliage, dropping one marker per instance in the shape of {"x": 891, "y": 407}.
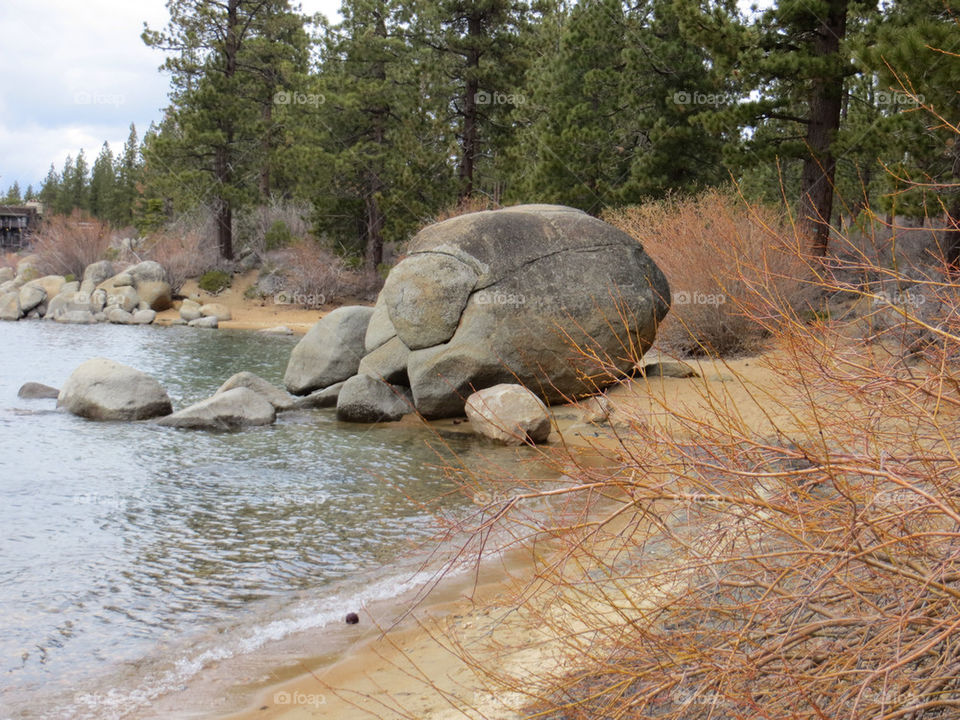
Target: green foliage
{"x": 278, "y": 236}
{"x": 215, "y": 281}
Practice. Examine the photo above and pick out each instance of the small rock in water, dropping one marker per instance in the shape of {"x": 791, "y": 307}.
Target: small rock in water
{"x": 279, "y": 330}
{"x": 352, "y": 618}
{"x": 37, "y": 391}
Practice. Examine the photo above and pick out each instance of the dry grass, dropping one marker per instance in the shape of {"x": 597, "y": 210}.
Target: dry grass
{"x": 714, "y": 251}
{"x": 65, "y": 244}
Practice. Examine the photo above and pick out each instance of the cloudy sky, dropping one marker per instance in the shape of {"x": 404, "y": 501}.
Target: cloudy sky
{"x": 76, "y": 74}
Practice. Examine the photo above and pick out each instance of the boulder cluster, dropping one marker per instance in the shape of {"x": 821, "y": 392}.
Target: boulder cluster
{"x": 540, "y": 296}
{"x": 106, "y": 294}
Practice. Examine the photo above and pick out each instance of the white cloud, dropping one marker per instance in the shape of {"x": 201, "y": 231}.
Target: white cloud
{"x": 76, "y": 74}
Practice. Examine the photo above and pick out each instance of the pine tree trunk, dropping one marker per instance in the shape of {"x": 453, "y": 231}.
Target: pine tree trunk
{"x": 826, "y": 102}
{"x": 471, "y": 139}
{"x": 266, "y": 115}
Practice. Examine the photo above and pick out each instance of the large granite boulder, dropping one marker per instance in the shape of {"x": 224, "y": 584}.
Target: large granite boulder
{"x": 274, "y": 395}
{"x": 101, "y": 389}
{"x": 329, "y": 352}
{"x": 95, "y": 274}
{"x": 541, "y": 295}
{"x": 232, "y": 409}
{"x": 510, "y": 414}
{"x": 190, "y": 310}
{"x": 52, "y": 285}
{"x": 10, "y": 306}
{"x": 156, "y": 294}
{"x": 31, "y": 296}
{"x": 365, "y": 399}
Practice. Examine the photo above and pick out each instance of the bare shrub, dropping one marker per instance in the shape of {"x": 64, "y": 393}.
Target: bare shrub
{"x": 474, "y": 203}
{"x": 714, "y": 250}
{"x": 183, "y": 254}
{"x": 784, "y": 547}
{"x": 67, "y": 244}
{"x": 254, "y": 225}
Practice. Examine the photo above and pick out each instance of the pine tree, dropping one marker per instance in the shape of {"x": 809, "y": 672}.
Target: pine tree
{"x": 103, "y": 185}
{"x": 217, "y": 75}
{"x": 793, "y": 61}
{"x": 127, "y": 173}
{"x": 50, "y": 190}
{"x": 13, "y": 194}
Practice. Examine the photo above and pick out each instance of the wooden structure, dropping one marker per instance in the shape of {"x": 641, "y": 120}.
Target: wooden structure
{"x": 17, "y": 223}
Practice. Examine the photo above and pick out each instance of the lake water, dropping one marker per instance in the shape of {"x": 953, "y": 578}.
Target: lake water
{"x": 125, "y": 547}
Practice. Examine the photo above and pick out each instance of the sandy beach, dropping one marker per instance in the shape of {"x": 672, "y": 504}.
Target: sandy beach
{"x": 381, "y": 668}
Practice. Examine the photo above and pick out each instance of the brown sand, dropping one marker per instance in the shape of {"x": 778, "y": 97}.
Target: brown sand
{"x": 251, "y": 314}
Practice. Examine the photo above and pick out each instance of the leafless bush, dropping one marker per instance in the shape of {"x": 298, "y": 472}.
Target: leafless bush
{"x": 182, "y": 254}
{"x": 67, "y": 244}
{"x": 256, "y": 226}
{"x": 778, "y": 548}
{"x": 714, "y": 250}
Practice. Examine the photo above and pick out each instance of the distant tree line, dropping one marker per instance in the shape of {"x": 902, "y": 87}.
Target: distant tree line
{"x": 403, "y": 109}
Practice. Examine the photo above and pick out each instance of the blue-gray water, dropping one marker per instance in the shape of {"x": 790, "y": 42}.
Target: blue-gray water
{"x": 124, "y": 545}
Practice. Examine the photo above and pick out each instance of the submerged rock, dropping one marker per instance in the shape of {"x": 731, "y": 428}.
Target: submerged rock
{"x": 102, "y": 389}
{"x": 37, "y": 391}
{"x": 508, "y": 413}
{"x": 232, "y": 409}
{"x": 205, "y": 322}
{"x": 327, "y": 397}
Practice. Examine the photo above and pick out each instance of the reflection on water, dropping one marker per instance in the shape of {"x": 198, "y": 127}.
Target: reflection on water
{"x": 119, "y": 538}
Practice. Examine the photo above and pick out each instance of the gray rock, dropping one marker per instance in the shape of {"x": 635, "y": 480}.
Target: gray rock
{"x": 548, "y": 279}
{"x": 510, "y": 414}
{"x": 144, "y": 317}
{"x": 217, "y": 310}
{"x": 274, "y": 395}
{"x": 100, "y": 317}
{"x": 279, "y": 330}
{"x": 177, "y": 321}
{"x": 101, "y": 389}
{"x": 365, "y": 399}
{"x": 329, "y": 352}
{"x": 118, "y": 316}
{"x": 233, "y": 409}
{"x": 425, "y": 295}
{"x": 596, "y": 410}
{"x": 11, "y": 285}
{"x": 123, "y": 297}
{"x": 98, "y": 300}
{"x": 68, "y": 288}
{"x": 380, "y": 329}
{"x": 210, "y": 323}
{"x": 147, "y": 271}
{"x": 30, "y": 297}
{"x": 76, "y": 317}
{"x": 95, "y": 274}
{"x": 7, "y": 274}
{"x": 52, "y": 285}
{"x": 123, "y": 279}
{"x": 388, "y": 362}
{"x": 157, "y": 294}
{"x": 10, "y": 306}
{"x": 190, "y": 310}
{"x": 321, "y": 398}
{"x": 37, "y": 391}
